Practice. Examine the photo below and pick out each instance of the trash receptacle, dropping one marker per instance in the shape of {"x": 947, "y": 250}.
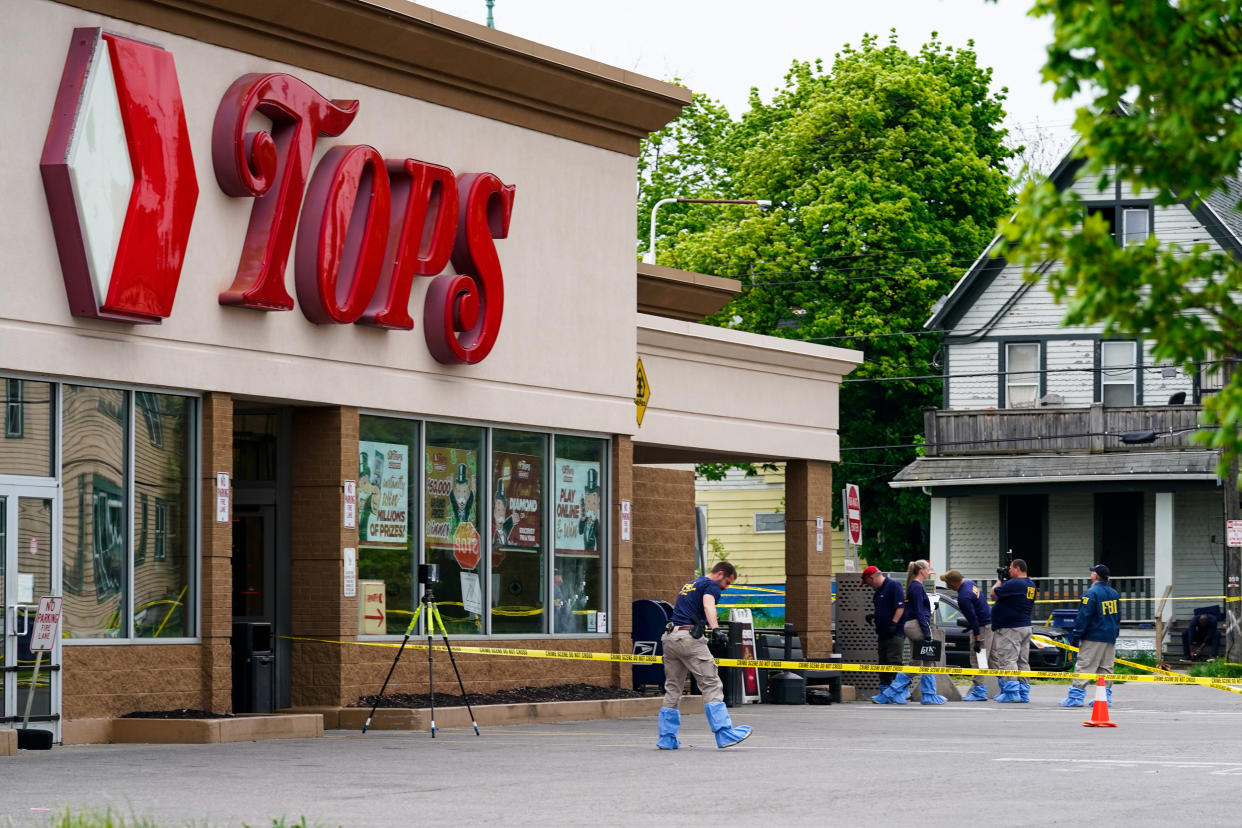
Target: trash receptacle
{"x": 647, "y": 627}
{"x": 1064, "y": 618}
{"x": 252, "y": 667}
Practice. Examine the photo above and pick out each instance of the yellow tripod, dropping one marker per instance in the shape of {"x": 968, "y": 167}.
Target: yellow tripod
{"x": 434, "y": 622}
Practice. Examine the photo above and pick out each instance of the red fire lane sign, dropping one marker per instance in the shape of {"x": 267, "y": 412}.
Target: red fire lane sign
{"x": 47, "y": 624}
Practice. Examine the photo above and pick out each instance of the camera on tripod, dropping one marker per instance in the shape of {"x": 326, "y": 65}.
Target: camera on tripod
{"x": 1002, "y": 572}
{"x": 429, "y": 575}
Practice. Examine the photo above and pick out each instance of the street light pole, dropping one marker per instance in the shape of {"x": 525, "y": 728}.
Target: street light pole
{"x": 650, "y": 258}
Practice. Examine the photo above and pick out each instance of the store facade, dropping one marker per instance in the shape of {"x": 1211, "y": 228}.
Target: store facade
{"x": 283, "y": 322}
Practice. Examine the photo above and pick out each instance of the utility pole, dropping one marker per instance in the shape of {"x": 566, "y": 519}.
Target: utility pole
{"x": 1233, "y": 572}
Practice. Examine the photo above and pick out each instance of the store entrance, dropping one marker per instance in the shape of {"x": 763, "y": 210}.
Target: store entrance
{"x": 262, "y": 679}
{"x": 28, "y": 561}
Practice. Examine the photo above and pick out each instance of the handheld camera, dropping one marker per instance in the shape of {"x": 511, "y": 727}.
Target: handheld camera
{"x": 1002, "y": 572}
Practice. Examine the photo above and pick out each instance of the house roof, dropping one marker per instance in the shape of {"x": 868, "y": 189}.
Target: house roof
{"x": 1010, "y": 469}
{"x": 1218, "y": 213}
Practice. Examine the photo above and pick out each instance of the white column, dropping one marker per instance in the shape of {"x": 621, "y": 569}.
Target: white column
{"x": 939, "y": 534}
{"x": 1164, "y": 550}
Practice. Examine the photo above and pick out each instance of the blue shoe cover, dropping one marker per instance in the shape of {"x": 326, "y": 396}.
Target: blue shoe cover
{"x": 1074, "y": 698}
{"x": 927, "y": 686}
{"x": 977, "y": 693}
{"x": 1010, "y": 692}
{"x": 718, "y": 719}
{"x": 1109, "y": 693}
{"x": 1024, "y": 690}
{"x": 670, "y": 723}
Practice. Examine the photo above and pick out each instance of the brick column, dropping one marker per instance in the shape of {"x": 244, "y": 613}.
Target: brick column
{"x": 325, "y": 454}
{"x": 808, "y": 573}
{"x": 216, "y": 587}
{"x": 621, "y": 464}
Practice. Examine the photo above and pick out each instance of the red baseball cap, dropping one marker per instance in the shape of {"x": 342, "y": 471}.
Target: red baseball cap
{"x": 868, "y": 572}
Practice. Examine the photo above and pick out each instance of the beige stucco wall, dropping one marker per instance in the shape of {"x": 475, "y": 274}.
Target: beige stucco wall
{"x": 564, "y": 357}
{"x": 729, "y": 393}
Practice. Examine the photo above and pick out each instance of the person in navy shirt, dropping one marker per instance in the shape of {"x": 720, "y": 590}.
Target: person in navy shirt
{"x": 888, "y": 604}
{"x": 1011, "y": 630}
{"x": 918, "y": 627}
{"x": 974, "y": 608}
{"x": 686, "y": 653}
{"x": 1095, "y": 632}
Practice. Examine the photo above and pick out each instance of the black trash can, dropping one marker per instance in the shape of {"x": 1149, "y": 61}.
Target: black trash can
{"x": 252, "y": 667}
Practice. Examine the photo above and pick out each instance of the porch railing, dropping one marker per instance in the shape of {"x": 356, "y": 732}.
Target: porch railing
{"x": 1137, "y": 604}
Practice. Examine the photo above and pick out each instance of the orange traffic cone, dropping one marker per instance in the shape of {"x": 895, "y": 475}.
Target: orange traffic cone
{"x": 1099, "y": 709}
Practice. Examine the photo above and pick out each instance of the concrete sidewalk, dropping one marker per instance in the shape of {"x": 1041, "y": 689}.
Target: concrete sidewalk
{"x": 841, "y": 765}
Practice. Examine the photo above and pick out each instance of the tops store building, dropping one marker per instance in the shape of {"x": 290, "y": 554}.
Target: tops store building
{"x": 295, "y": 304}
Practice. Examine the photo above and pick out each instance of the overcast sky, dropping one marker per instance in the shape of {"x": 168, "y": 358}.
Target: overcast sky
{"x": 724, "y": 47}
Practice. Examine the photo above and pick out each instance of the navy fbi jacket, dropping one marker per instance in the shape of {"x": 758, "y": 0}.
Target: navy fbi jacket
{"x": 974, "y": 606}
{"x": 689, "y": 606}
{"x": 1015, "y": 599}
{"x": 886, "y": 601}
{"x": 1098, "y": 618}
{"x": 918, "y": 606}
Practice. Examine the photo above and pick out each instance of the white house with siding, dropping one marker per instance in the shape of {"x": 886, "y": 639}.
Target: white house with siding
{"x": 1025, "y": 453}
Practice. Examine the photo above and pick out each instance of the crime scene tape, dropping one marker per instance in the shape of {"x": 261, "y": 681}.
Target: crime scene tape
{"x": 765, "y": 664}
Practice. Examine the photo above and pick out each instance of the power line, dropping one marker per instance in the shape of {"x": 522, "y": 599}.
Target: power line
{"x": 1032, "y": 372}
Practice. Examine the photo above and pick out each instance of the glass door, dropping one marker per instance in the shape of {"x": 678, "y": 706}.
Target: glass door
{"x": 28, "y": 563}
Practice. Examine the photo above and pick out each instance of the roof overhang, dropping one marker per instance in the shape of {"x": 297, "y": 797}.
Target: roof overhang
{"x": 1189, "y": 466}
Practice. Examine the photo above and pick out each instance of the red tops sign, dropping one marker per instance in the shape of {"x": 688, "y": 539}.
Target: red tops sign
{"x": 369, "y": 224}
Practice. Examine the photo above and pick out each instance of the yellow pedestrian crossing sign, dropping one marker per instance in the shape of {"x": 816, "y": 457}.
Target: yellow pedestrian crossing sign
{"x": 642, "y": 392}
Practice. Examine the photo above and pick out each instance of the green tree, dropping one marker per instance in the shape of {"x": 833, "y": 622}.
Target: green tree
{"x": 887, "y": 174}
{"x": 1165, "y": 118}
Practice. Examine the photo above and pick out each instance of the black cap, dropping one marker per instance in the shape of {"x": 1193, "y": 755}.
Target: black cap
{"x": 1101, "y": 570}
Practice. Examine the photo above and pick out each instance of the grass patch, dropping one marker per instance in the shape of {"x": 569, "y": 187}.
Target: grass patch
{"x": 107, "y": 819}
{"x": 1216, "y": 669}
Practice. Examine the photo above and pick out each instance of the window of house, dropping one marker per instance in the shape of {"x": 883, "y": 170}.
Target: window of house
{"x": 14, "y": 411}
{"x": 1215, "y": 372}
{"x": 29, "y": 408}
{"x": 1021, "y": 374}
{"x": 1135, "y": 226}
{"x": 1118, "y": 372}
{"x": 766, "y": 522}
{"x": 1135, "y": 222}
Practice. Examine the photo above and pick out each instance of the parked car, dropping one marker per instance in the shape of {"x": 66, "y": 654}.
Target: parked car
{"x": 957, "y": 641}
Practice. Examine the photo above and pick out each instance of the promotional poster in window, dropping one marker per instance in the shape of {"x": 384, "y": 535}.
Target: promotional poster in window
{"x": 577, "y": 508}
{"x": 383, "y": 494}
{"x": 516, "y": 516}
{"x": 452, "y": 507}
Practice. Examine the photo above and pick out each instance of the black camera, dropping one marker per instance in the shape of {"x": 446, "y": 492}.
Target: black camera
{"x": 429, "y": 575}
{"x": 1002, "y": 572}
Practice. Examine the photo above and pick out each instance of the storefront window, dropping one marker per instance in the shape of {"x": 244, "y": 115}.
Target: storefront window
{"x": 519, "y": 574}
{"x": 580, "y": 602}
{"x": 163, "y": 473}
{"x": 451, "y": 525}
{"x": 93, "y": 476}
{"x": 26, "y": 447}
{"x": 103, "y": 553}
{"x": 387, "y": 524}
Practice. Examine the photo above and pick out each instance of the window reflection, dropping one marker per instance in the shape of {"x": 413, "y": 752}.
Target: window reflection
{"x": 579, "y": 566}
{"x": 28, "y": 407}
{"x": 163, "y": 459}
{"x": 93, "y": 475}
{"x": 387, "y": 523}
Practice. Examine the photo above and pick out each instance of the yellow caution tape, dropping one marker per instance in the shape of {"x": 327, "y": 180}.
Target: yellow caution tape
{"x": 765, "y": 664}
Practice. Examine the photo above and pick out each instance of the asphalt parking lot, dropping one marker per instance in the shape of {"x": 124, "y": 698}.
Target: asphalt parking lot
{"x": 1176, "y": 751}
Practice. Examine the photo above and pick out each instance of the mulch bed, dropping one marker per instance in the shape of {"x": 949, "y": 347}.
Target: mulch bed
{"x": 183, "y": 713}
{"x": 517, "y": 695}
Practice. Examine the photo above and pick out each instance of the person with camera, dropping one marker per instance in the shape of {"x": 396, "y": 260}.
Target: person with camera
{"x": 1014, "y": 594}
{"x": 686, "y": 653}
{"x": 917, "y": 628}
{"x": 888, "y": 608}
{"x": 978, "y": 615}
{"x": 1095, "y": 632}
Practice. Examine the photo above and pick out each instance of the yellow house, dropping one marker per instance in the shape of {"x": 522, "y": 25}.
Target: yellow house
{"x": 746, "y": 525}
